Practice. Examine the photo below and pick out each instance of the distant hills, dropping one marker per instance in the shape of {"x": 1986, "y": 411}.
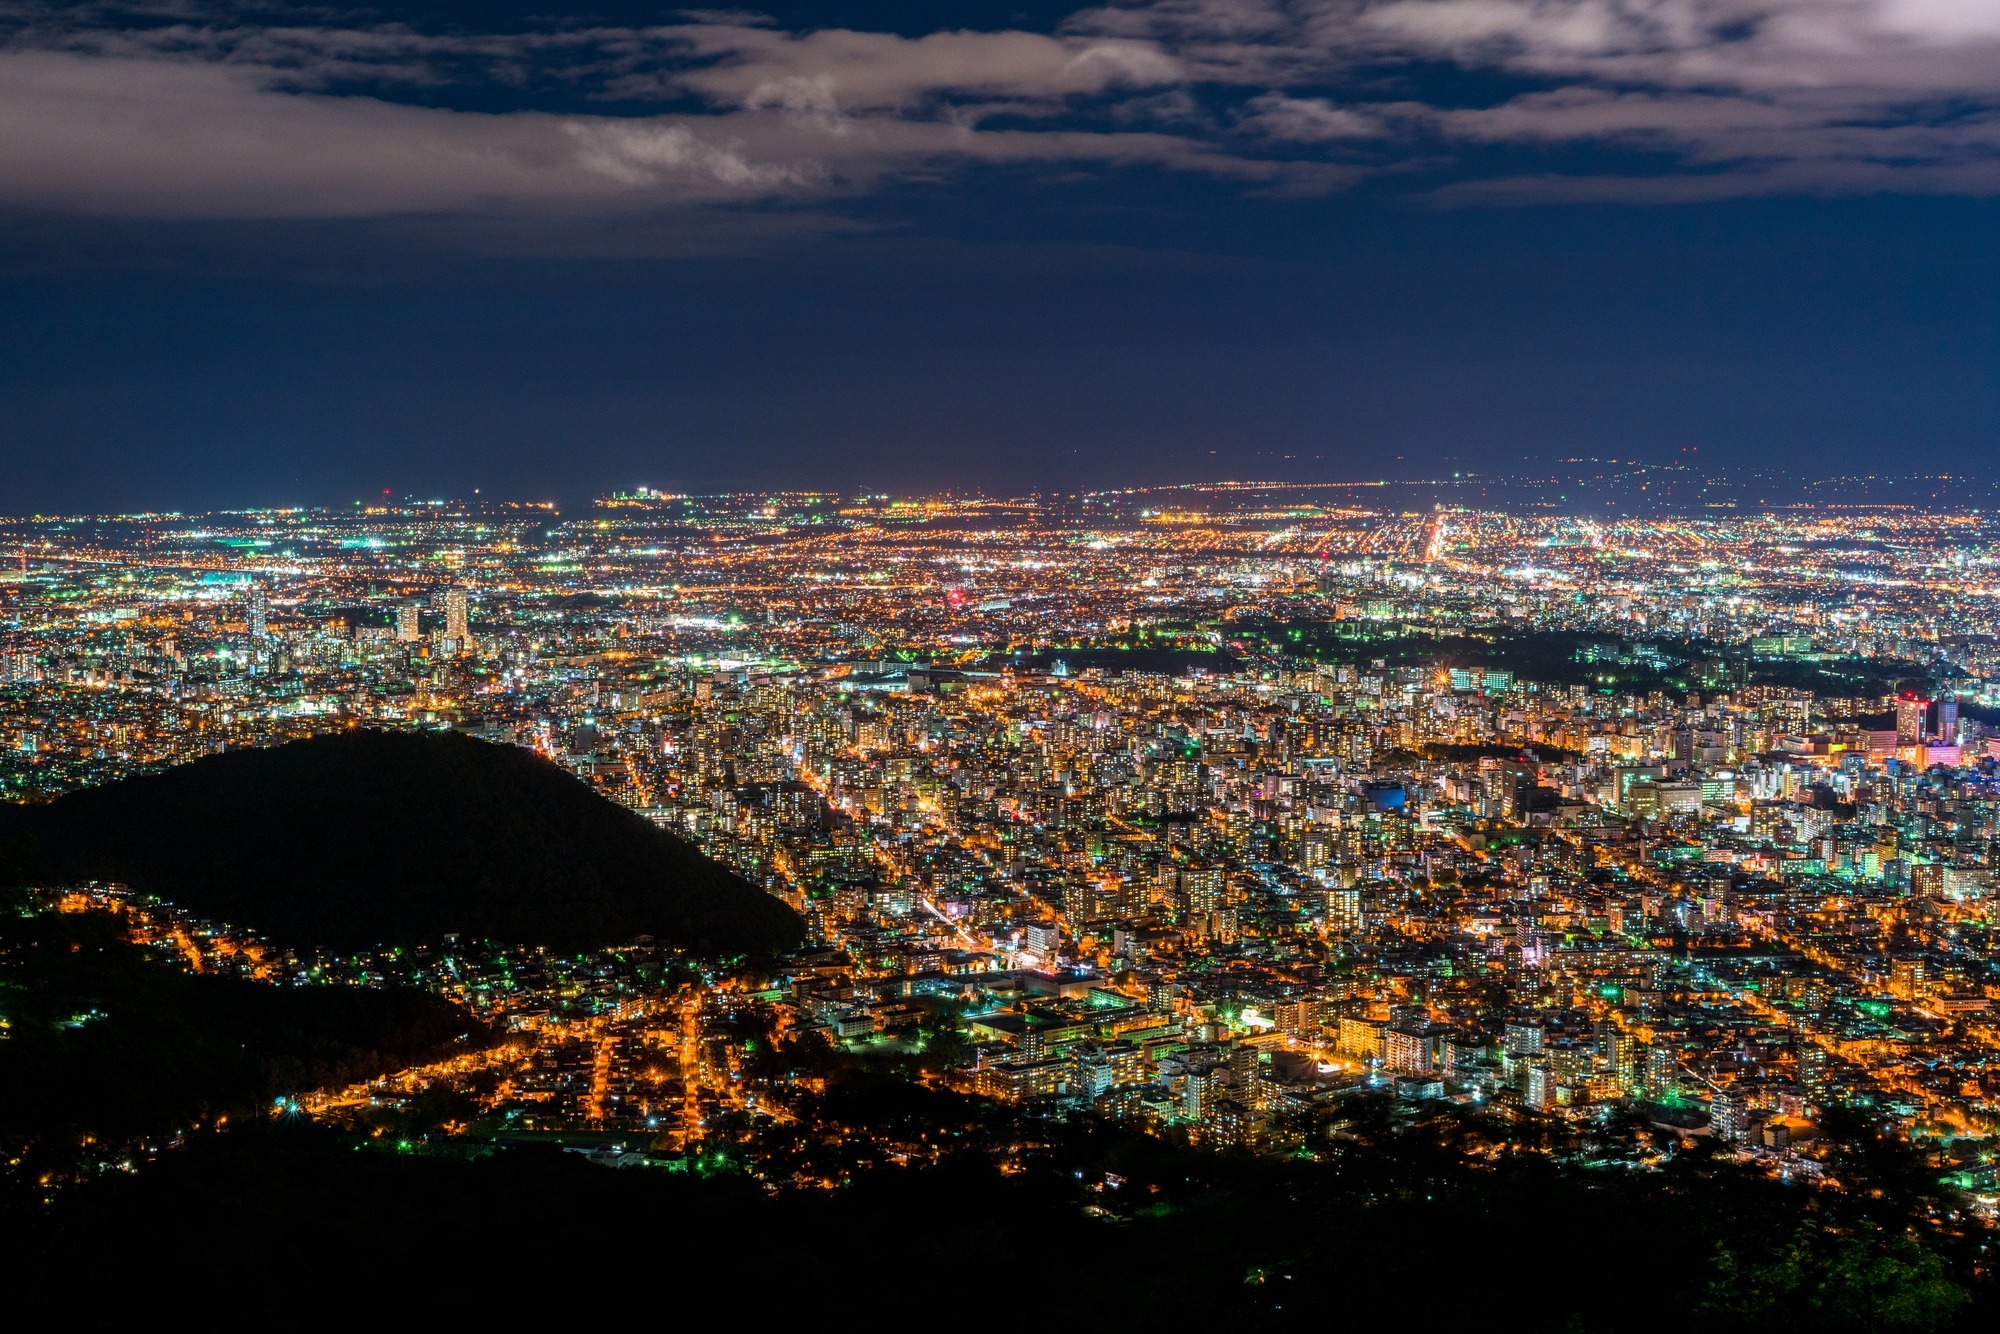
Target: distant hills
{"x": 365, "y": 838}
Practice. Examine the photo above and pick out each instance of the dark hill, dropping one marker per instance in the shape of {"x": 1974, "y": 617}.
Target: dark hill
{"x": 366, "y": 838}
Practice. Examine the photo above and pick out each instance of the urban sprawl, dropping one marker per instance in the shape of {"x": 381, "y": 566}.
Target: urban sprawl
{"x": 1198, "y": 808}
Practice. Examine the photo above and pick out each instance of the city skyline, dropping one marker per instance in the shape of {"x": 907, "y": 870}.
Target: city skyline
{"x": 1577, "y": 488}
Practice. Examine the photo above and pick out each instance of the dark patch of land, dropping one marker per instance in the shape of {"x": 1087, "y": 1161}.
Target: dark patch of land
{"x": 1566, "y": 657}
{"x": 1115, "y": 661}
{"x": 367, "y": 838}
{"x": 1861, "y": 677}
{"x": 1555, "y": 657}
{"x": 108, "y": 1040}
{"x": 1133, "y": 1232}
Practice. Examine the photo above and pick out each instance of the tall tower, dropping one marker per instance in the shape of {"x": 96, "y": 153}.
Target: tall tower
{"x": 1911, "y": 716}
{"x": 455, "y": 624}
{"x": 253, "y": 611}
{"x": 407, "y": 625}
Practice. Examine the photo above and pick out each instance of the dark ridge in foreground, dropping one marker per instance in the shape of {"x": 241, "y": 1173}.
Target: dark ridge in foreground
{"x": 367, "y": 838}
{"x": 1173, "y": 1240}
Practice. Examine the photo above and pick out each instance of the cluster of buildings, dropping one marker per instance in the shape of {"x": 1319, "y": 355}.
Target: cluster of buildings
{"x": 1206, "y": 809}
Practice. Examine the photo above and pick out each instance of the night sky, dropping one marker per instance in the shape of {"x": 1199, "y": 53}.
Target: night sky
{"x": 268, "y": 254}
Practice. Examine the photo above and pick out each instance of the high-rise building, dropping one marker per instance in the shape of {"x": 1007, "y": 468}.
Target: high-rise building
{"x": 1947, "y": 722}
{"x": 1812, "y": 1069}
{"x": 253, "y": 611}
{"x": 1911, "y": 716}
{"x": 1538, "y": 1089}
{"x": 1202, "y": 886}
{"x": 407, "y": 623}
{"x": 456, "y": 626}
{"x": 1662, "y": 1068}
{"x": 1344, "y": 912}
{"x": 1299, "y": 1018}
{"x": 1361, "y": 1037}
{"x": 1407, "y": 1049}
{"x": 1729, "y": 1116}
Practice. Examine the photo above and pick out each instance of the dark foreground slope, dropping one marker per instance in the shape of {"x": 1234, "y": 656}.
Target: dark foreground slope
{"x": 1175, "y": 1240}
{"x": 366, "y": 838}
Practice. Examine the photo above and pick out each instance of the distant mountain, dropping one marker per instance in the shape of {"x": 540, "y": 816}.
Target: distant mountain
{"x": 367, "y": 838}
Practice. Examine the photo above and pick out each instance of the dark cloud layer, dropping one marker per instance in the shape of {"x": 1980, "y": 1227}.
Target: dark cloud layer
{"x": 195, "y": 112}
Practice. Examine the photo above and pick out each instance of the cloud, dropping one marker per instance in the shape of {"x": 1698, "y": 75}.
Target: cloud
{"x": 1307, "y": 119}
{"x": 1733, "y": 96}
{"x": 194, "y": 113}
{"x": 865, "y": 71}
{"x": 1867, "y": 47}
{"x": 162, "y": 138}
{"x": 125, "y": 136}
